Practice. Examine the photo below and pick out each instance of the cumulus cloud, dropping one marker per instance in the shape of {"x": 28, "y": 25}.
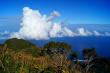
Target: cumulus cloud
{"x": 59, "y": 31}
{"x": 40, "y": 26}
{"x": 83, "y": 32}
{"x": 56, "y": 30}
{"x": 97, "y": 33}
{"x": 68, "y": 32}
{"x": 53, "y": 15}
{"x": 4, "y": 34}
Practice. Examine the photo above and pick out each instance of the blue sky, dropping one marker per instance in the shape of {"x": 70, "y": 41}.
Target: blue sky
{"x": 72, "y": 11}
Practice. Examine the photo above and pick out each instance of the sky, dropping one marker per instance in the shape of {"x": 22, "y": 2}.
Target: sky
{"x": 72, "y": 11}
{"x": 44, "y": 19}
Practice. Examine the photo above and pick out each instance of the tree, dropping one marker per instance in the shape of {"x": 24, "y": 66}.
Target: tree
{"x": 89, "y": 54}
{"x": 57, "y": 48}
{"x": 58, "y": 52}
{"x": 74, "y": 56}
{"x": 100, "y": 65}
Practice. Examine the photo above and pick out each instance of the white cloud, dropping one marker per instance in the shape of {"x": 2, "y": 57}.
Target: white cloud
{"x": 37, "y": 26}
{"x": 83, "y": 32}
{"x": 53, "y": 15}
{"x": 107, "y": 34}
{"x": 97, "y": 33}
{"x": 40, "y": 26}
{"x": 56, "y": 30}
{"x": 68, "y": 32}
{"x": 4, "y": 34}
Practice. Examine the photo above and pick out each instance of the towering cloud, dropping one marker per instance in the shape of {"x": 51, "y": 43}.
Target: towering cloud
{"x": 40, "y": 26}
{"x": 37, "y": 26}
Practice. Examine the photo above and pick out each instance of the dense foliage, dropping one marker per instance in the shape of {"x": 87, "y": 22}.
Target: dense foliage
{"x": 21, "y": 56}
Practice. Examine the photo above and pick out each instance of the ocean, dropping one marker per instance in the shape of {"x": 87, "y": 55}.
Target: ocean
{"x": 100, "y": 43}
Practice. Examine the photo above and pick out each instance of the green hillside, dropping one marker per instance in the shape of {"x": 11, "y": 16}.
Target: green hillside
{"x": 18, "y": 44}
{"x": 22, "y": 45}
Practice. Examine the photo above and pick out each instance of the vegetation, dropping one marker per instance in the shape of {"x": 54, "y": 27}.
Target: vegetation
{"x": 21, "y": 56}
